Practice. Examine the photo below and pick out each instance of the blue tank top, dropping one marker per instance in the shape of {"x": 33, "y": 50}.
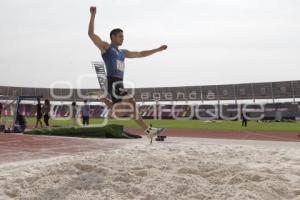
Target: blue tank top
{"x": 114, "y": 59}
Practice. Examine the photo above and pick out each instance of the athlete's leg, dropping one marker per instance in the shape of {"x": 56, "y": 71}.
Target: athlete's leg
{"x": 137, "y": 117}
{"x": 125, "y": 104}
{"x": 109, "y": 105}
{"x": 129, "y": 105}
{"x": 107, "y": 102}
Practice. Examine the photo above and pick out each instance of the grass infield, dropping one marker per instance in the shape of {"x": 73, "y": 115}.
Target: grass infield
{"x": 236, "y": 126}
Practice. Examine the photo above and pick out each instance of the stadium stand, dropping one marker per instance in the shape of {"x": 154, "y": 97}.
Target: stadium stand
{"x": 162, "y": 99}
{"x": 278, "y": 111}
{"x": 251, "y": 91}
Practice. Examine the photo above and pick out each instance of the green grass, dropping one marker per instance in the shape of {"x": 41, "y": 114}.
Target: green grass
{"x": 195, "y": 124}
{"x": 218, "y": 126}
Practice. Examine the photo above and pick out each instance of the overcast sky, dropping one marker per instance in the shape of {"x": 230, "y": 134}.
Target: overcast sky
{"x": 210, "y": 41}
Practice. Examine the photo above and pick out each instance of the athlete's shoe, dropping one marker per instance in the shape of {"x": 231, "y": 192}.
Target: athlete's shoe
{"x": 152, "y": 132}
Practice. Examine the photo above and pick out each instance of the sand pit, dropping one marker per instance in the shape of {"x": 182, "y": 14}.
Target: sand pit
{"x": 177, "y": 169}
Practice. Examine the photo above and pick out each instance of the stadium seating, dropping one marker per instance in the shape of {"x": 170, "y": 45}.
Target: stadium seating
{"x": 162, "y": 98}
{"x": 287, "y": 111}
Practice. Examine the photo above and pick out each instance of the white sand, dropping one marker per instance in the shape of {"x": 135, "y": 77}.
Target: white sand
{"x": 178, "y": 169}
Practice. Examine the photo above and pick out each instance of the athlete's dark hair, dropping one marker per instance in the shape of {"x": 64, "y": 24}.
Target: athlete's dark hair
{"x": 115, "y": 32}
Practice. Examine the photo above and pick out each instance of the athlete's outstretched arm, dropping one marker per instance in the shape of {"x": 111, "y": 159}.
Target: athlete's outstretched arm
{"x": 141, "y": 54}
{"x": 103, "y": 46}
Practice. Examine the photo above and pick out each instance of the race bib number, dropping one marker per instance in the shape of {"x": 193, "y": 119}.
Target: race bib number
{"x": 120, "y": 65}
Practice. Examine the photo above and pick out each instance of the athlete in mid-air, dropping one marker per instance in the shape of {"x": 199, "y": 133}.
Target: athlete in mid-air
{"x": 114, "y": 58}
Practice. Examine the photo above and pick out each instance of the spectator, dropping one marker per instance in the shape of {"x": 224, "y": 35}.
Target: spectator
{"x": 46, "y": 111}
{"x": 244, "y": 118}
{"x": 20, "y": 120}
{"x": 39, "y": 114}
{"x": 1, "y": 107}
{"x": 85, "y": 111}
{"x": 74, "y": 113}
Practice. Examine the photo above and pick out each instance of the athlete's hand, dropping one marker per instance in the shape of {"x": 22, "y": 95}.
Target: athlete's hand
{"x": 93, "y": 10}
{"x": 163, "y": 47}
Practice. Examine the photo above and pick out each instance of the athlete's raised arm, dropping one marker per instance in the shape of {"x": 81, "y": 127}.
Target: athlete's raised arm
{"x": 103, "y": 46}
{"x": 141, "y": 54}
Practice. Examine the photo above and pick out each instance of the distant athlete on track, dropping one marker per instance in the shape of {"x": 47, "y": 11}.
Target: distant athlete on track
{"x": 114, "y": 61}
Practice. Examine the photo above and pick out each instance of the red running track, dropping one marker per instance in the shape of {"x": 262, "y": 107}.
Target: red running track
{"x": 19, "y": 147}
{"x": 267, "y": 136}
